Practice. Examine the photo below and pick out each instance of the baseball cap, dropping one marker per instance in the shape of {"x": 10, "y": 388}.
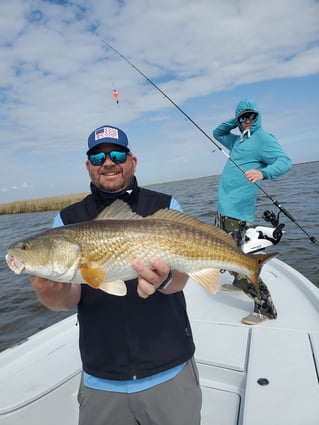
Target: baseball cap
{"x": 247, "y": 111}
{"x": 107, "y": 134}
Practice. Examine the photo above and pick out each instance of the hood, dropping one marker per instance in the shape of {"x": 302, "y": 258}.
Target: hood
{"x": 249, "y": 105}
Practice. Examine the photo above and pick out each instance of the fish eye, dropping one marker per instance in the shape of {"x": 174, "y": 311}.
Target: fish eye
{"x": 23, "y": 245}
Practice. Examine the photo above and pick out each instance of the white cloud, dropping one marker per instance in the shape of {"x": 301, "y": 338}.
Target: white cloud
{"x": 58, "y": 78}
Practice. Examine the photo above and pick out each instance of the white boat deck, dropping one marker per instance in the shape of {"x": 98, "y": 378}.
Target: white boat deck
{"x": 40, "y": 377}
{"x": 282, "y": 354}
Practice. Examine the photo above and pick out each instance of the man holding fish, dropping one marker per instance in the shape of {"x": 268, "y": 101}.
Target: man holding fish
{"x": 137, "y": 350}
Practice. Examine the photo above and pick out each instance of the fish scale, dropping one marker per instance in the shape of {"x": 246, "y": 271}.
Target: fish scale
{"x": 99, "y": 252}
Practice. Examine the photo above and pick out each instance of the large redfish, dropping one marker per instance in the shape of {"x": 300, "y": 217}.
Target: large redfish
{"x": 100, "y": 252}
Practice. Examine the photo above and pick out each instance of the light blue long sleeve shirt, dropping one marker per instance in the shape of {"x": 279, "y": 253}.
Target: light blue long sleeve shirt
{"x": 257, "y": 150}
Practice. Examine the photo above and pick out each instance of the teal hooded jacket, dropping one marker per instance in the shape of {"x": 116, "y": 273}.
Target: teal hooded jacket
{"x": 255, "y": 149}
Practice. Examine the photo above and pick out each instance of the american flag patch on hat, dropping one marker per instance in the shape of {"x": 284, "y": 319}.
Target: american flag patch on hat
{"x": 104, "y": 132}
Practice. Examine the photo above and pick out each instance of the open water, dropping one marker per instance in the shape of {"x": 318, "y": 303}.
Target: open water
{"x": 21, "y": 315}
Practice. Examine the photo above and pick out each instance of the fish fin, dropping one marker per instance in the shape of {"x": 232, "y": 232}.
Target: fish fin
{"x": 118, "y": 210}
{"x": 208, "y": 279}
{"x": 93, "y": 276}
{"x": 261, "y": 259}
{"x": 116, "y": 287}
{"x": 179, "y": 217}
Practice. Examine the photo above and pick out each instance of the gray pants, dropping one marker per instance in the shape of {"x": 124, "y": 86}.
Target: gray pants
{"x": 175, "y": 402}
{"x": 263, "y": 301}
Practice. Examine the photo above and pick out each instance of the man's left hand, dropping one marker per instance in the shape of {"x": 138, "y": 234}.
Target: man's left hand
{"x": 150, "y": 278}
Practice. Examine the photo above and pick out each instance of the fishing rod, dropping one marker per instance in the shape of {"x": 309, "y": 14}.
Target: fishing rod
{"x": 274, "y": 201}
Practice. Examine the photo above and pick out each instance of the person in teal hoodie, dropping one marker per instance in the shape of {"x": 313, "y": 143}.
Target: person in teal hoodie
{"x": 260, "y": 157}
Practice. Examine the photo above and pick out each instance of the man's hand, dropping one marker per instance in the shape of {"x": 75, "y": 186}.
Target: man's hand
{"x": 56, "y": 296}
{"x": 254, "y": 175}
{"x": 150, "y": 278}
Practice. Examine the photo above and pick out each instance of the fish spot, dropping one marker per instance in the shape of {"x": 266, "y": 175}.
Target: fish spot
{"x": 23, "y": 246}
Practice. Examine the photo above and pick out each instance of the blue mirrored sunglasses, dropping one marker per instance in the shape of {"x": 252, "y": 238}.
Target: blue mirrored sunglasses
{"x": 252, "y": 116}
{"x": 118, "y": 157}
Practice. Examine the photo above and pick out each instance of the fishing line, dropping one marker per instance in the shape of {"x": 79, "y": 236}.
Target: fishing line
{"x": 276, "y": 203}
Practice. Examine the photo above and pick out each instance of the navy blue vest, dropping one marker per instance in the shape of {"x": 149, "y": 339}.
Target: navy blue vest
{"x": 127, "y": 337}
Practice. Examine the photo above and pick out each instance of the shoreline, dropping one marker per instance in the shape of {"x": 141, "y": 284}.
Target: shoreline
{"x": 52, "y": 203}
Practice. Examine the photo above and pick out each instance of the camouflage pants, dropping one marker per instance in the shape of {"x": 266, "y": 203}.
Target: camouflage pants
{"x": 263, "y": 301}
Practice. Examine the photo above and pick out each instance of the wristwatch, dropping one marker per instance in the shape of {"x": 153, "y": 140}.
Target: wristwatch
{"x": 167, "y": 281}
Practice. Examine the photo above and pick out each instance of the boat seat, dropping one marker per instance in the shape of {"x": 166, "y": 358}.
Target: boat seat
{"x": 223, "y": 405}
{"x": 281, "y": 363}
{"x": 221, "y": 370}
{"x": 215, "y": 351}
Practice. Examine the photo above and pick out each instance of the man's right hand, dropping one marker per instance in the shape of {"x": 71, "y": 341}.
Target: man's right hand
{"x": 55, "y": 295}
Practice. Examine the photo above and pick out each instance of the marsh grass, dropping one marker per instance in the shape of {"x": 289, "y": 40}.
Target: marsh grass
{"x": 52, "y": 203}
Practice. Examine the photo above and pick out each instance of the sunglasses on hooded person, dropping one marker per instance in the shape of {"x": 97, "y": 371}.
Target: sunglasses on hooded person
{"x": 116, "y": 156}
{"x": 251, "y": 116}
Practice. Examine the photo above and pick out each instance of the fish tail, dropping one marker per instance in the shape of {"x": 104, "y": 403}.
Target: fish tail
{"x": 261, "y": 260}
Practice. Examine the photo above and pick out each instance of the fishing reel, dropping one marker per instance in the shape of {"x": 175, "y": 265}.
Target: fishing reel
{"x": 271, "y": 217}
{"x": 260, "y": 237}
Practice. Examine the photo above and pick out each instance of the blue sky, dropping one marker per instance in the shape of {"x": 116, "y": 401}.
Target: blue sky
{"x": 57, "y": 80}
